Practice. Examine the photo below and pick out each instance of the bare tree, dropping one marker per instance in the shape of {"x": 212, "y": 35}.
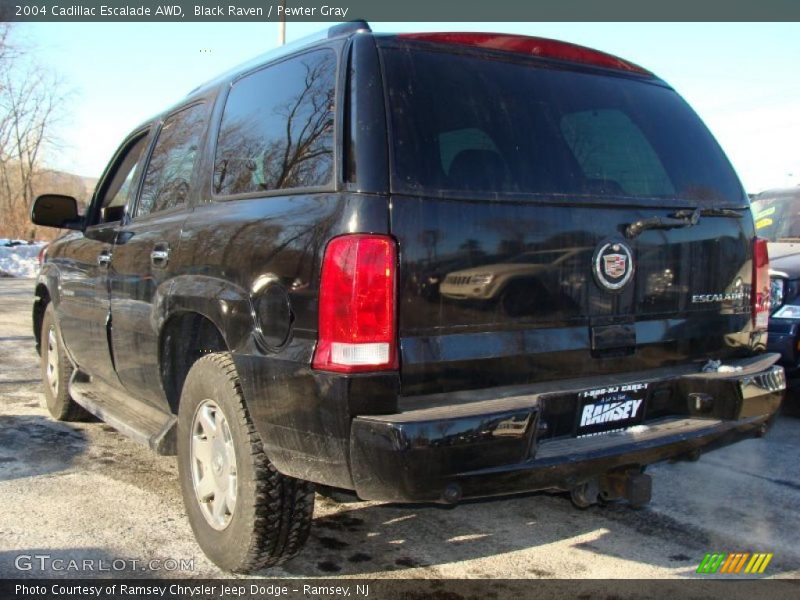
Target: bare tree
{"x": 7, "y": 50}
{"x": 30, "y": 101}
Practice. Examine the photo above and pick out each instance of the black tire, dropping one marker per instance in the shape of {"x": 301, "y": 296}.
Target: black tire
{"x": 56, "y": 390}
{"x": 272, "y": 515}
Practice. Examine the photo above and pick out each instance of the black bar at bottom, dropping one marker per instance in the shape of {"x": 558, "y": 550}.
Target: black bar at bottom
{"x": 731, "y": 587}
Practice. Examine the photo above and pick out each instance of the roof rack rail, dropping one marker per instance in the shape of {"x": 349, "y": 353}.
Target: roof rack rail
{"x": 348, "y": 27}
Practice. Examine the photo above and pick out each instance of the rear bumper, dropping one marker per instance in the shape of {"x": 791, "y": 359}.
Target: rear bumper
{"x": 498, "y": 446}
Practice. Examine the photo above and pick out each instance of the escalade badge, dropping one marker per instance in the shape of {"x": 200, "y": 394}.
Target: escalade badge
{"x": 613, "y": 265}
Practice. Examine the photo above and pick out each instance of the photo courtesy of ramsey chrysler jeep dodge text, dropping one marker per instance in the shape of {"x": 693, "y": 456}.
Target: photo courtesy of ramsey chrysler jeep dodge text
{"x": 422, "y": 267}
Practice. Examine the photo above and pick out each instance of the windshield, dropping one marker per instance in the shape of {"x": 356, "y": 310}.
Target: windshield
{"x": 501, "y": 124}
{"x": 778, "y": 217}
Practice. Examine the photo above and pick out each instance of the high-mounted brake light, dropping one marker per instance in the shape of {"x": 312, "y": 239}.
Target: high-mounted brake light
{"x": 543, "y": 47}
{"x": 760, "y": 293}
{"x": 357, "y": 305}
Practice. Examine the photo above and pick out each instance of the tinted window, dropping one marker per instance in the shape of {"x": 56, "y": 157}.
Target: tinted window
{"x": 119, "y": 190}
{"x": 540, "y": 258}
{"x": 168, "y": 178}
{"x": 609, "y": 147}
{"x": 482, "y": 123}
{"x": 277, "y": 128}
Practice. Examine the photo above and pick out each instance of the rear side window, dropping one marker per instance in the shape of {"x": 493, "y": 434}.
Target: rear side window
{"x": 167, "y": 181}
{"x": 502, "y": 124}
{"x": 277, "y": 128}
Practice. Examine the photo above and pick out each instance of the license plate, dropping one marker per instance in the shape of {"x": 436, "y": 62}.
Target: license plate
{"x": 612, "y": 408}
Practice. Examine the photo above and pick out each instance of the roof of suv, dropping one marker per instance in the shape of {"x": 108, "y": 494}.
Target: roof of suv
{"x": 342, "y": 30}
{"x": 544, "y": 48}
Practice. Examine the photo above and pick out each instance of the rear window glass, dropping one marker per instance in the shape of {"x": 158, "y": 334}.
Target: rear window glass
{"x": 609, "y": 147}
{"x": 503, "y": 125}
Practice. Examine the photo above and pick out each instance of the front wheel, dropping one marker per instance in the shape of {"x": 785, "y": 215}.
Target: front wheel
{"x": 244, "y": 514}
{"x": 56, "y": 372}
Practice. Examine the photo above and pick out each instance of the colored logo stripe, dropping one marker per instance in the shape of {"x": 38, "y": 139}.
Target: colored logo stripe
{"x": 710, "y": 563}
{"x": 758, "y": 563}
{"x": 732, "y": 564}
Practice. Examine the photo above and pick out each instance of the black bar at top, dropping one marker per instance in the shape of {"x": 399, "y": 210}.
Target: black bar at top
{"x": 399, "y": 10}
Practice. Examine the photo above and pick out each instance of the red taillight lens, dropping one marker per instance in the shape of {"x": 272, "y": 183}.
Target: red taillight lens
{"x": 357, "y": 305}
{"x": 41, "y": 255}
{"x": 759, "y": 296}
{"x": 534, "y": 46}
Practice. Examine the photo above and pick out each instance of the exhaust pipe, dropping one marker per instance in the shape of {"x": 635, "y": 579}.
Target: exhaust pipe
{"x": 586, "y": 494}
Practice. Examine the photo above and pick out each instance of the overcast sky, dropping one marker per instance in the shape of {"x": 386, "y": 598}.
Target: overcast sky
{"x": 740, "y": 77}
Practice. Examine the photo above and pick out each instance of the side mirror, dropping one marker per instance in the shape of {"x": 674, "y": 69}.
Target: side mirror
{"x": 55, "y": 210}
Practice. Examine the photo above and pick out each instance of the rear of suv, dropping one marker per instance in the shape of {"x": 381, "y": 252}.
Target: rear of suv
{"x": 423, "y": 267}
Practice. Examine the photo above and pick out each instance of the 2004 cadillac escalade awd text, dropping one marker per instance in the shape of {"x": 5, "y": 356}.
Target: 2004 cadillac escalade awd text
{"x": 422, "y": 267}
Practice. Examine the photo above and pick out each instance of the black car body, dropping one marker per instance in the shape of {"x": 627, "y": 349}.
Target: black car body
{"x": 306, "y": 231}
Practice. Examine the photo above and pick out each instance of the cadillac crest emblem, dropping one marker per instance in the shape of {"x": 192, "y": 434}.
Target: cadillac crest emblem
{"x": 613, "y": 265}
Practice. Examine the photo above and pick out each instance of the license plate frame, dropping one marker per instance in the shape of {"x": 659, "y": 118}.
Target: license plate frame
{"x": 610, "y": 409}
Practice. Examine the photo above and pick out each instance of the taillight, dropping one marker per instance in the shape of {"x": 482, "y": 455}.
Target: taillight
{"x": 534, "y": 46}
{"x": 760, "y": 293}
{"x": 357, "y": 305}
{"x": 41, "y": 255}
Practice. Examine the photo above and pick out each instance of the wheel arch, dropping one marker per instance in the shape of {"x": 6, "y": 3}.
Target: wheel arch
{"x": 203, "y": 315}
{"x": 41, "y": 299}
{"x": 46, "y": 291}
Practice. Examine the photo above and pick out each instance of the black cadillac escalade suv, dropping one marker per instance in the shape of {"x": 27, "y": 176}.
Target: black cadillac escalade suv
{"x": 421, "y": 267}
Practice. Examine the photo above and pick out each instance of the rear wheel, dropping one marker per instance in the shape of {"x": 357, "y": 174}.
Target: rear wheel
{"x": 244, "y": 514}
{"x": 56, "y": 372}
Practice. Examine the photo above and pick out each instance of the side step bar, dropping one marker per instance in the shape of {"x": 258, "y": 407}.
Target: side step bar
{"x": 139, "y": 421}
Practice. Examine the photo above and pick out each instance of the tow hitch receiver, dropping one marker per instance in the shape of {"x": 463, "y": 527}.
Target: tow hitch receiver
{"x": 639, "y": 489}
{"x": 630, "y": 484}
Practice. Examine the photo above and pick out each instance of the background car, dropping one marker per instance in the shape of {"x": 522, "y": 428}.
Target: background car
{"x": 777, "y": 216}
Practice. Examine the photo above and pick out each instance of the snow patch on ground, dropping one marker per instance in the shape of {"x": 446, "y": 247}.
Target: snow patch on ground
{"x": 19, "y": 258}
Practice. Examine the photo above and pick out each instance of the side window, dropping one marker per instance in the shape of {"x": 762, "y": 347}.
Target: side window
{"x": 118, "y": 192}
{"x": 277, "y": 128}
{"x": 168, "y": 177}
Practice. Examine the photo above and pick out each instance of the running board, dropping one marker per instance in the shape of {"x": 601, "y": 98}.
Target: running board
{"x": 133, "y": 418}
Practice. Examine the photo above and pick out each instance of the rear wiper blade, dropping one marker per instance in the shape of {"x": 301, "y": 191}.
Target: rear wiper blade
{"x": 687, "y": 217}
{"x": 681, "y": 220}
{"x": 709, "y": 212}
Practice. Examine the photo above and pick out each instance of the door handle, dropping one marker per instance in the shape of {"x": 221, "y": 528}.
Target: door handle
{"x": 104, "y": 258}
{"x": 159, "y": 256}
